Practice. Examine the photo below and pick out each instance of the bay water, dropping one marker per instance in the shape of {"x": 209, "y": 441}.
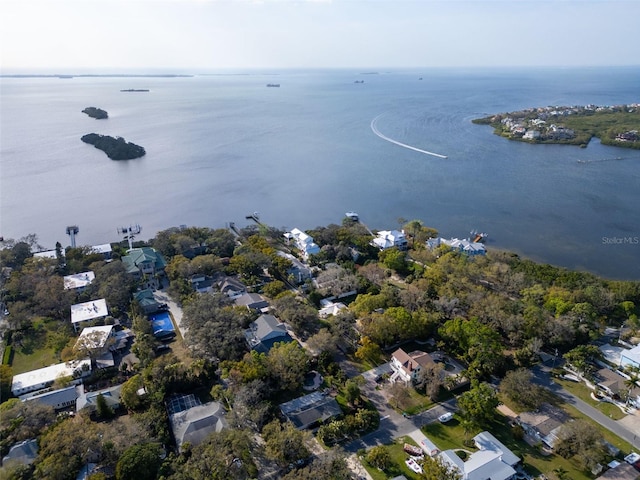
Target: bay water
{"x": 222, "y": 146}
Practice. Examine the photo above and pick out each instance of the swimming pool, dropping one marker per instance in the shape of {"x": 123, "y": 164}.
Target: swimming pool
{"x": 162, "y": 325}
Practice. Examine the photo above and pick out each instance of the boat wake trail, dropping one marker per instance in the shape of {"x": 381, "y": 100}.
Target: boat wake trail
{"x": 375, "y": 130}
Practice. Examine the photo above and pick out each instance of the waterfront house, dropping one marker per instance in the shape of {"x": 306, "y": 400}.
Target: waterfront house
{"x": 390, "y": 238}
{"x": 104, "y": 250}
{"x": 407, "y": 365}
{"x": 465, "y": 246}
{"x": 144, "y": 261}
{"x": 265, "y": 332}
{"x": 303, "y": 242}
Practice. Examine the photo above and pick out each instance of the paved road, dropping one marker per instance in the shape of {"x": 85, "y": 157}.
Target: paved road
{"x": 393, "y": 424}
{"x": 542, "y": 376}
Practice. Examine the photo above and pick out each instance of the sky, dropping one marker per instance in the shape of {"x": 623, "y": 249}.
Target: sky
{"x": 191, "y": 36}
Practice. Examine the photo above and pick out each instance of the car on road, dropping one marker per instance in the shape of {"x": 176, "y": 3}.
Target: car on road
{"x": 445, "y": 417}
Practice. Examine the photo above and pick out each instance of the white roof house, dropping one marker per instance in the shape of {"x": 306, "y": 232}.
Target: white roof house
{"x": 630, "y": 357}
{"x": 304, "y": 242}
{"x": 104, "y": 249}
{"x": 44, "y": 377}
{"x": 79, "y": 280}
{"x": 51, "y": 254}
{"x": 493, "y": 460}
{"x": 83, "y": 312}
{"x": 462, "y": 245}
{"x": 390, "y": 238}
{"x": 95, "y": 337}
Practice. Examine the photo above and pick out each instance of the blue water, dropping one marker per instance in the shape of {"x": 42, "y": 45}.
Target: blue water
{"x": 222, "y": 146}
{"x": 161, "y": 324}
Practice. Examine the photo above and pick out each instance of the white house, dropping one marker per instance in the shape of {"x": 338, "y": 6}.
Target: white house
{"x": 389, "y": 239}
{"x": 304, "y": 242}
{"x": 631, "y": 357}
{"x": 465, "y": 246}
{"x": 96, "y": 338}
{"x": 44, "y": 377}
{"x": 492, "y": 460}
{"x": 84, "y": 312}
{"x": 78, "y": 281}
{"x": 407, "y": 365}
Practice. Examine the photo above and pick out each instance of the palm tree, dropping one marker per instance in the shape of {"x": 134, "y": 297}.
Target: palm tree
{"x": 561, "y": 473}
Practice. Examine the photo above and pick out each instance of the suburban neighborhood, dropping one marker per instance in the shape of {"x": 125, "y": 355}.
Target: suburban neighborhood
{"x": 332, "y": 353}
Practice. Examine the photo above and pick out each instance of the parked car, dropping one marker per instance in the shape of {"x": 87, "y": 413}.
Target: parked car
{"x": 445, "y": 417}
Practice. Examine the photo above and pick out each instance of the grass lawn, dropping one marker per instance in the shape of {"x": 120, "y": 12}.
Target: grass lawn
{"x": 398, "y": 467}
{"x": 416, "y": 403}
{"x": 41, "y": 357}
{"x": 583, "y": 392}
{"x": 451, "y": 436}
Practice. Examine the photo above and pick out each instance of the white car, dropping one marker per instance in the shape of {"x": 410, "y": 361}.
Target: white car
{"x": 445, "y": 417}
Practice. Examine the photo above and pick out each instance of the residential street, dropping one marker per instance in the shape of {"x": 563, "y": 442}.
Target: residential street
{"x": 542, "y": 376}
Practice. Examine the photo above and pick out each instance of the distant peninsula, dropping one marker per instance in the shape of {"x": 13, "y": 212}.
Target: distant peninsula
{"x": 615, "y": 125}
{"x": 115, "y": 148}
{"x": 96, "y": 113}
{"x": 135, "y": 90}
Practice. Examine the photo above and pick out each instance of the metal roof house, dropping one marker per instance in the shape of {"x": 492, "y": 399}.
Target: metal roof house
{"x": 492, "y": 460}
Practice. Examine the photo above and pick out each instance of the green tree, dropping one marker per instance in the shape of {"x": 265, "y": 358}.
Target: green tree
{"x": 139, "y": 462}
{"x": 517, "y": 385}
{"x": 430, "y": 379}
{"x": 287, "y": 364}
{"x": 103, "y": 410}
{"x": 478, "y": 405}
{"x": 368, "y": 351}
{"x": 435, "y": 469}
{"x": 583, "y": 441}
{"x": 129, "y": 393}
{"x": 284, "y": 443}
{"x": 379, "y": 457}
{"x": 393, "y": 259}
{"x": 352, "y": 391}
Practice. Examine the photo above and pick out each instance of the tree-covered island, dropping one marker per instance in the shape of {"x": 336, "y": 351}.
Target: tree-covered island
{"x": 96, "y": 113}
{"x": 615, "y": 125}
{"x": 115, "y": 148}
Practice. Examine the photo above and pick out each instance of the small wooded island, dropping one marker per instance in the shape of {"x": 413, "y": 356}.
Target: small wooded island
{"x": 616, "y": 125}
{"x": 115, "y": 148}
{"x": 96, "y": 113}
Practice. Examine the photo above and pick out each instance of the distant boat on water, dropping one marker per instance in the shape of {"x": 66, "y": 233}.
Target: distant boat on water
{"x": 352, "y": 216}
{"x": 135, "y": 90}
{"x": 273, "y": 84}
